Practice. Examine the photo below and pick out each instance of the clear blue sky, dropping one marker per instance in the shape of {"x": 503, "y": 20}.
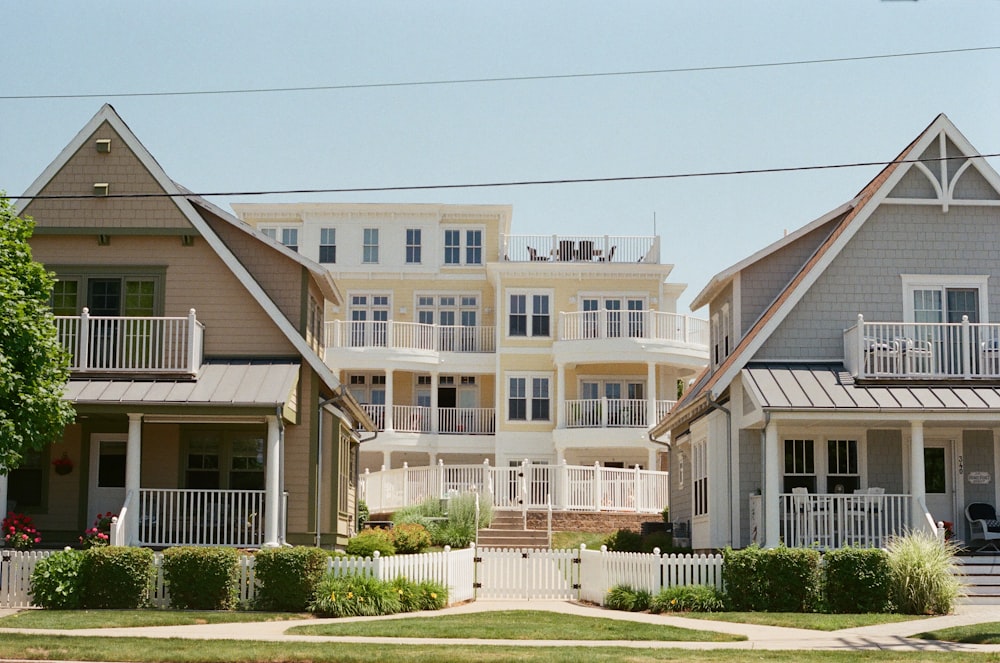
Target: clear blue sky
{"x": 526, "y": 130}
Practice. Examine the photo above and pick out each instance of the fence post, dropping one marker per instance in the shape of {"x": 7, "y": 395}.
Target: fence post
{"x": 636, "y": 488}
{"x": 525, "y": 468}
{"x": 562, "y": 496}
{"x": 440, "y": 478}
{"x": 597, "y": 486}
{"x": 84, "y": 339}
{"x": 192, "y": 366}
{"x": 488, "y": 482}
{"x": 966, "y": 348}
{"x": 406, "y": 484}
{"x": 377, "y": 565}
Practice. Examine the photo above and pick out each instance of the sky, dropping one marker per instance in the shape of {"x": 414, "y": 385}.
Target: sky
{"x": 676, "y": 123}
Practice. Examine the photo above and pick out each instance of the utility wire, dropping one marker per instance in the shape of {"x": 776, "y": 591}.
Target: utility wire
{"x": 484, "y": 185}
{"x": 499, "y": 79}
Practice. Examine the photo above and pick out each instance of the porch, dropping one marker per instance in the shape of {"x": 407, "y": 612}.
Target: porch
{"x": 524, "y": 486}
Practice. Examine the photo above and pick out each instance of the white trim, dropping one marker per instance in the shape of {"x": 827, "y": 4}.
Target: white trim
{"x": 528, "y": 377}
{"x": 943, "y": 282}
{"x": 529, "y": 294}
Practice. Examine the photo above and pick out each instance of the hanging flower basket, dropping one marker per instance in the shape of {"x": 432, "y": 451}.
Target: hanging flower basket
{"x": 63, "y": 465}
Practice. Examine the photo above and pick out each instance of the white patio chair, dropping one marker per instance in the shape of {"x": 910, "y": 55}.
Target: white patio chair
{"x": 918, "y": 355}
{"x": 983, "y": 524}
{"x": 881, "y": 355}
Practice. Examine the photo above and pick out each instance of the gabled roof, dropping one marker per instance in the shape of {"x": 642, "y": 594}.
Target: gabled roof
{"x": 862, "y": 207}
{"x": 182, "y": 198}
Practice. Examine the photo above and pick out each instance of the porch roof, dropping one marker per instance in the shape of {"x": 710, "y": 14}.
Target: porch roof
{"x": 244, "y": 383}
{"x": 829, "y": 386}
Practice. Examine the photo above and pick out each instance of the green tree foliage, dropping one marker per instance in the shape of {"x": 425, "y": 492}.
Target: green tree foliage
{"x": 33, "y": 366}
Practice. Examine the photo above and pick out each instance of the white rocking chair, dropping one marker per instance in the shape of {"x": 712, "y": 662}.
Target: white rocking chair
{"x": 983, "y": 524}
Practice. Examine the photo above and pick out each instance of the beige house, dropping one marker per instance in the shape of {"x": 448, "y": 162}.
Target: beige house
{"x": 467, "y": 343}
{"x": 205, "y": 413}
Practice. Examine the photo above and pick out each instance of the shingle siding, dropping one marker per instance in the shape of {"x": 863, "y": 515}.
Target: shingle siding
{"x": 751, "y": 479}
{"x": 885, "y": 460}
{"x": 977, "y": 456}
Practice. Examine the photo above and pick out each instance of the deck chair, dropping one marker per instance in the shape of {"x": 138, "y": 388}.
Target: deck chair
{"x": 983, "y": 524}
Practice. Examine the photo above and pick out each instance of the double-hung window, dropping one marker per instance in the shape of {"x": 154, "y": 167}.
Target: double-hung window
{"x": 699, "y": 474}
{"x": 413, "y": 246}
{"x": 528, "y": 398}
{"x": 369, "y": 249}
{"x": 800, "y": 465}
{"x": 459, "y": 244}
{"x": 328, "y": 245}
{"x": 528, "y": 315}
{"x": 287, "y": 235}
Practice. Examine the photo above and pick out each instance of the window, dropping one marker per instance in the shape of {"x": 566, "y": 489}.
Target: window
{"x": 109, "y": 292}
{"x": 721, "y": 324}
{"x": 521, "y": 322}
{"x": 842, "y": 466}
{"x": 315, "y": 325}
{"x": 64, "y": 297}
{"x": 369, "y": 252}
{"x": 24, "y": 484}
{"x": 369, "y": 316}
{"x": 328, "y": 245}
{"x": 603, "y": 316}
{"x": 454, "y": 249}
{"x": 699, "y": 475}
{"x": 225, "y": 459}
{"x": 800, "y": 465}
{"x": 246, "y": 463}
{"x": 525, "y": 405}
{"x": 287, "y": 235}
{"x": 938, "y": 304}
{"x": 413, "y": 246}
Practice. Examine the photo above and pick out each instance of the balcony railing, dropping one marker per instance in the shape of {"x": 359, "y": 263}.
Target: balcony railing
{"x": 916, "y": 350}
{"x": 106, "y": 344}
{"x": 579, "y": 248}
{"x": 611, "y": 413}
{"x": 829, "y": 521}
{"x": 451, "y": 420}
{"x": 646, "y": 325}
{"x": 522, "y": 487}
{"x": 170, "y": 517}
{"x": 409, "y": 336}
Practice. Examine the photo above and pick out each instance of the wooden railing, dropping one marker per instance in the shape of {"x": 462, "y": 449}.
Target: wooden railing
{"x": 170, "y": 517}
{"x": 579, "y": 248}
{"x": 106, "y": 344}
{"x": 410, "y": 336}
{"x": 646, "y": 325}
{"x": 523, "y": 486}
{"x": 959, "y": 350}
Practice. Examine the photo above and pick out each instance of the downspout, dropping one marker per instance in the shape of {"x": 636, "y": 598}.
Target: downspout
{"x": 729, "y": 457}
{"x": 283, "y": 525}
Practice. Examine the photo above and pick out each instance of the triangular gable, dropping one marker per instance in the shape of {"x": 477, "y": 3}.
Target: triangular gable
{"x": 940, "y": 132}
{"x": 180, "y": 198}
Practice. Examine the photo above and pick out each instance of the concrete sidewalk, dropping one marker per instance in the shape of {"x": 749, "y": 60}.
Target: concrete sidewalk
{"x": 894, "y": 637}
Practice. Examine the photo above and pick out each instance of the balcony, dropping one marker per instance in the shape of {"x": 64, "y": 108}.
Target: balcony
{"x": 923, "y": 351}
{"x": 580, "y": 249}
{"x": 645, "y": 325}
{"x": 450, "y": 420}
{"x": 611, "y": 413}
{"x": 147, "y": 345}
{"x": 393, "y": 335}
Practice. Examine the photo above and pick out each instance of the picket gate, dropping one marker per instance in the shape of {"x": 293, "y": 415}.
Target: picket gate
{"x": 509, "y": 573}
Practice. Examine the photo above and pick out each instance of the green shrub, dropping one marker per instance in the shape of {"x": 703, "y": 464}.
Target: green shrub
{"x": 202, "y": 578}
{"x": 624, "y": 540}
{"x": 409, "y": 597}
{"x": 354, "y": 596}
{"x": 456, "y": 535}
{"x": 743, "y": 577}
{"x": 287, "y": 577}
{"x": 690, "y": 598}
{"x": 857, "y": 580}
{"x": 793, "y": 579}
{"x": 662, "y": 540}
{"x": 365, "y": 543}
{"x": 627, "y": 598}
{"x": 429, "y": 508}
{"x": 456, "y": 527}
{"x": 363, "y": 514}
{"x": 116, "y": 577}
{"x": 462, "y": 511}
{"x": 431, "y": 595}
{"x": 57, "y": 580}
{"x": 409, "y": 538}
{"x": 922, "y": 581}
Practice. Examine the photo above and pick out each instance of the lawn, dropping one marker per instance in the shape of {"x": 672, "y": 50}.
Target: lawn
{"x": 572, "y": 540}
{"x": 515, "y": 625}
{"x": 71, "y": 619}
{"x": 814, "y": 621}
{"x": 975, "y": 634}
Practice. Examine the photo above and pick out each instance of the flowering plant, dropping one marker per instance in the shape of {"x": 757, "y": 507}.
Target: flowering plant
{"x": 949, "y": 530}
{"x": 100, "y": 533}
{"x": 19, "y": 532}
{"x": 63, "y": 464}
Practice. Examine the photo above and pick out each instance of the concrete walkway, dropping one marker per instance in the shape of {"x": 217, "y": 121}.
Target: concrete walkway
{"x": 890, "y": 637}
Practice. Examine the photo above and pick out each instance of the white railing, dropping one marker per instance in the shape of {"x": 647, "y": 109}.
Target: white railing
{"x": 395, "y": 335}
{"x": 922, "y": 350}
{"x": 602, "y": 570}
{"x": 523, "y": 486}
{"x": 663, "y": 409}
{"x": 411, "y": 418}
{"x": 467, "y": 420}
{"x": 829, "y": 521}
{"x": 579, "y": 248}
{"x": 134, "y": 344}
{"x": 646, "y": 325}
{"x": 376, "y": 413}
{"x": 173, "y": 517}
{"x": 606, "y": 413}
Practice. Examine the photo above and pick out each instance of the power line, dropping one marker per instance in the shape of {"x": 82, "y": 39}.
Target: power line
{"x": 484, "y": 185}
{"x": 498, "y": 79}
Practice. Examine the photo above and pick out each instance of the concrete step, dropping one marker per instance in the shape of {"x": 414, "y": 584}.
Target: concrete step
{"x": 980, "y": 575}
{"x": 513, "y": 538}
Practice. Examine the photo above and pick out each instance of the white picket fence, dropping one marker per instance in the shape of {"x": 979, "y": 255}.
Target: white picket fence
{"x": 470, "y": 573}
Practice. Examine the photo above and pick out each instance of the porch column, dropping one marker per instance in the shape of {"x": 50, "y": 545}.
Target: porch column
{"x": 434, "y": 401}
{"x": 560, "y": 395}
{"x": 772, "y": 479}
{"x": 651, "y": 462}
{"x": 651, "y": 396}
{"x": 918, "y": 491}
{"x": 133, "y": 464}
{"x": 389, "y": 401}
{"x": 3, "y": 493}
{"x": 386, "y": 459}
{"x": 272, "y": 484}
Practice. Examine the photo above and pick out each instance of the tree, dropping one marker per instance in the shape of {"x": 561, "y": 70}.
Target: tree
{"x": 34, "y": 367}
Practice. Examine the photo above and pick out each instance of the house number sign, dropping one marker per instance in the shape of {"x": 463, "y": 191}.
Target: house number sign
{"x": 979, "y": 477}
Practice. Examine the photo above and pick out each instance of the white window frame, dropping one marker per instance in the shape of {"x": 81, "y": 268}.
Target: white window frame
{"x": 413, "y": 249}
{"x": 822, "y": 474}
{"x": 529, "y": 384}
{"x": 530, "y": 315}
{"x": 284, "y": 234}
{"x": 330, "y": 237}
{"x": 370, "y": 248}
{"x": 913, "y": 282}
{"x": 463, "y": 247}
{"x": 699, "y": 478}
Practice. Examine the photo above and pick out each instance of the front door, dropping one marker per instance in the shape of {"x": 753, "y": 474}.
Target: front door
{"x": 938, "y": 482}
{"x": 107, "y": 474}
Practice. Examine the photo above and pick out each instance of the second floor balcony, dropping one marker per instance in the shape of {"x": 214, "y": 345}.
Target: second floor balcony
{"x": 922, "y": 350}
{"x": 393, "y": 335}
{"x": 136, "y": 345}
{"x": 645, "y": 324}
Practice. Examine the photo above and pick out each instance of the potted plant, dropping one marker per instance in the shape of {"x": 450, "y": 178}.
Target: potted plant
{"x": 63, "y": 465}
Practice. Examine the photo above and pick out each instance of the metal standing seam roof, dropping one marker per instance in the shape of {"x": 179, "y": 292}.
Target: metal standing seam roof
{"x": 217, "y": 383}
{"x": 826, "y": 386}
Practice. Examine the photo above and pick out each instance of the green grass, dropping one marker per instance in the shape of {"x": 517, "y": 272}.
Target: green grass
{"x": 72, "y": 619}
{"x": 974, "y": 634}
{"x": 515, "y": 625}
{"x": 149, "y": 650}
{"x": 805, "y": 620}
{"x": 565, "y": 540}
